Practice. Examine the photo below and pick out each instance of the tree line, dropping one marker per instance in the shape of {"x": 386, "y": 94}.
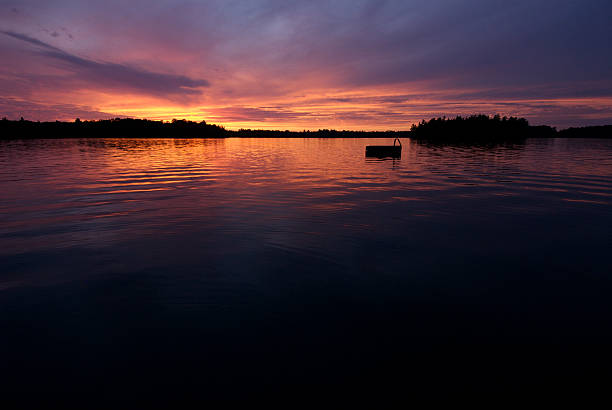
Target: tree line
{"x": 471, "y": 128}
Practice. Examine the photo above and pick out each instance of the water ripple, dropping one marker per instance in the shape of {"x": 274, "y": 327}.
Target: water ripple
{"x": 66, "y": 192}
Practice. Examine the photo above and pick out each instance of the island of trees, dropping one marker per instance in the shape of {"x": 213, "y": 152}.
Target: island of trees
{"x": 480, "y": 128}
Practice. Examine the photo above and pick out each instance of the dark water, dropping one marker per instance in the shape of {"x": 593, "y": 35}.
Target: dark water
{"x": 238, "y": 266}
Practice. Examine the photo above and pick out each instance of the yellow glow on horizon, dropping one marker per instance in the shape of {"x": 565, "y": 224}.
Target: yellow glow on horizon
{"x": 375, "y": 108}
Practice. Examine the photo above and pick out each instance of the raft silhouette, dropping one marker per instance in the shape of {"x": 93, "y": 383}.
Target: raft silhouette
{"x": 382, "y": 151}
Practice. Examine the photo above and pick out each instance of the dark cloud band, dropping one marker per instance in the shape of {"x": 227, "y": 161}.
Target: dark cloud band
{"x": 113, "y": 75}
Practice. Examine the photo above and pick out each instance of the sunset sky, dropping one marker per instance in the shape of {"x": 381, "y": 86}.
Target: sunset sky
{"x": 281, "y": 64}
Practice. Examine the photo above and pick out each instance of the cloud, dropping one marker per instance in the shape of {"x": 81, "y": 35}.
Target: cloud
{"x": 30, "y": 40}
{"x": 237, "y": 114}
{"x": 357, "y": 63}
{"x": 116, "y": 76}
{"x": 13, "y": 108}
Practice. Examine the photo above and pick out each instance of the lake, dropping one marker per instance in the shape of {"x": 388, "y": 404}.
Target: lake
{"x": 236, "y": 266}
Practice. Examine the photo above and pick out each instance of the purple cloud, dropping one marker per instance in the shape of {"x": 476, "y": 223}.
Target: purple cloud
{"x": 118, "y": 76}
{"x": 13, "y": 109}
{"x": 265, "y": 56}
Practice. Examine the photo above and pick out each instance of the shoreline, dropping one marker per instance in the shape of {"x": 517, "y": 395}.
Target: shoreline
{"x": 476, "y": 128}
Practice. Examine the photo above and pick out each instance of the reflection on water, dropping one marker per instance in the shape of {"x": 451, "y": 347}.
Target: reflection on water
{"x": 221, "y": 255}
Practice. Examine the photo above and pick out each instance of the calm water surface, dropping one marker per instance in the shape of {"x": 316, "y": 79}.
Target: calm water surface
{"x": 240, "y": 265}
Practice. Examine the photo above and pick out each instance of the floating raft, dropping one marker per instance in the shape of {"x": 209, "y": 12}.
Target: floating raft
{"x": 382, "y": 151}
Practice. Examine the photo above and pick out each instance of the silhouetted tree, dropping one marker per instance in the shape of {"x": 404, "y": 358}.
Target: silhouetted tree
{"x": 478, "y": 127}
{"x": 598, "y": 131}
{"x": 481, "y": 128}
{"x": 117, "y": 127}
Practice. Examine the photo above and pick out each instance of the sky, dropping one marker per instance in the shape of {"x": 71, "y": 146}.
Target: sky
{"x": 282, "y": 64}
